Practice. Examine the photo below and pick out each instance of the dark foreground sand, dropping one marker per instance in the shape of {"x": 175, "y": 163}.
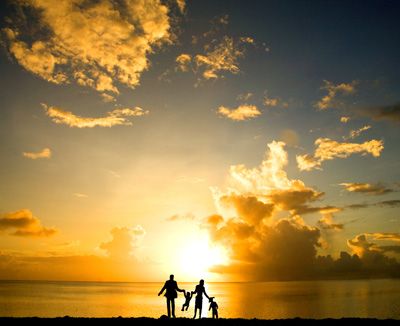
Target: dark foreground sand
{"x": 186, "y": 321}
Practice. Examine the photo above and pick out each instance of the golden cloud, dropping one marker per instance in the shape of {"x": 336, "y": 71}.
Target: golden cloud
{"x": 266, "y": 243}
{"x": 183, "y": 61}
{"x": 330, "y": 100}
{"x": 344, "y": 119}
{"x": 242, "y": 112}
{"x": 113, "y": 118}
{"x": 95, "y": 43}
{"x": 357, "y": 132}
{"x": 123, "y": 241}
{"x": 328, "y": 149}
{"x": 367, "y": 188}
{"x": 24, "y": 224}
{"x": 44, "y": 153}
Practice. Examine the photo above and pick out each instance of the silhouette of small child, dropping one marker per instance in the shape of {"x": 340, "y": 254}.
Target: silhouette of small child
{"x": 214, "y": 307}
{"x": 188, "y": 297}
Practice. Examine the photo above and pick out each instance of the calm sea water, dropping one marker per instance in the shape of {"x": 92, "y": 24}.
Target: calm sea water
{"x": 320, "y": 299}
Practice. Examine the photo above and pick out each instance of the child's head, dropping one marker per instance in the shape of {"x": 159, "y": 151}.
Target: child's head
{"x": 211, "y": 299}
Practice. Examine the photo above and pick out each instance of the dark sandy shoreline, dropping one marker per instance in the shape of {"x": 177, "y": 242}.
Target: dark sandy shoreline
{"x": 183, "y": 321}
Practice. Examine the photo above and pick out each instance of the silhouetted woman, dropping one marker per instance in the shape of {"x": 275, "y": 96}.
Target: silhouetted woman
{"x": 171, "y": 287}
{"x": 199, "y": 298}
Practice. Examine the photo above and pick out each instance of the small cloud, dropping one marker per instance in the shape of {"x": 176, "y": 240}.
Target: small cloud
{"x": 113, "y": 118}
{"x": 328, "y": 149}
{"x": 181, "y": 5}
{"x": 344, "y": 119}
{"x": 357, "y": 132}
{"x": 44, "y": 153}
{"x": 271, "y": 102}
{"x": 289, "y": 137}
{"x": 183, "y": 61}
{"x": 107, "y": 98}
{"x": 242, "y": 112}
{"x": 330, "y": 100}
{"x": 382, "y": 113}
{"x": 366, "y": 188}
{"x": 24, "y": 224}
{"x": 327, "y": 223}
{"x": 181, "y": 217}
{"x": 244, "y": 96}
{"x": 80, "y": 195}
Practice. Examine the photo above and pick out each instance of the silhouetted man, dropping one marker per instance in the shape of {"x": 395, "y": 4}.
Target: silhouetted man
{"x": 170, "y": 288}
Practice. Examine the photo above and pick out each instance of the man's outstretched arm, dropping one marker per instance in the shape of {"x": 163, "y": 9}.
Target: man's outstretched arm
{"x": 162, "y": 290}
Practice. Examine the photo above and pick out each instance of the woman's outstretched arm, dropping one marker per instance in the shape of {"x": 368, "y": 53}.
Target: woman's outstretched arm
{"x": 204, "y": 291}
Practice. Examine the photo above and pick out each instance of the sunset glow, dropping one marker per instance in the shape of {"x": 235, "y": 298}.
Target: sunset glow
{"x": 216, "y": 140}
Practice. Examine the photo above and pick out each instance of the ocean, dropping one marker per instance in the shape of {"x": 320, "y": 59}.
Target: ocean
{"x": 267, "y": 300}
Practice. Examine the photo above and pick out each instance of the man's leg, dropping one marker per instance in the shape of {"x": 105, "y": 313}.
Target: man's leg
{"x": 173, "y": 307}
{"x": 168, "y": 307}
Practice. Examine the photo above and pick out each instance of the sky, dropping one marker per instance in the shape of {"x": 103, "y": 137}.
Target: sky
{"x": 226, "y": 140}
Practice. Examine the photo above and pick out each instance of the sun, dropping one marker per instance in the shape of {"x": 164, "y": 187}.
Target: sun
{"x": 197, "y": 258}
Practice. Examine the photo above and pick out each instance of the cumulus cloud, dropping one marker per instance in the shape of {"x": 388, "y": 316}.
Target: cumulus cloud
{"x": 113, "y": 118}
{"x": 366, "y": 188}
{"x": 24, "y": 224}
{"x": 357, "y": 132}
{"x": 242, "y": 112}
{"x": 330, "y": 100}
{"x": 382, "y": 113}
{"x": 259, "y": 222}
{"x": 328, "y": 149}
{"x": 96, "y": 43}
{"x": 123, "y": 242}
{"x": 44, "y": 153}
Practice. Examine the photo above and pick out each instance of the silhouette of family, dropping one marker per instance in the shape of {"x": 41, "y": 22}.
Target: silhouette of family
{"x": 171, "y": 293}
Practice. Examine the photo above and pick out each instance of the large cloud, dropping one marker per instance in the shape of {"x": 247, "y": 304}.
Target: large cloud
{"x": 258, "y": 222}
{"x": 328, "y": 149}
{"x": 121, "y": 263}
{"x": 113, "y": 118}
{"x": 95, "y": 43}
{"x": 24, "y": 224}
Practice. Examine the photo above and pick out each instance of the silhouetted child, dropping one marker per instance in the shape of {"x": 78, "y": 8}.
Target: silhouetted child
{"x": 214, "y": 307}
{"x": 188, "y": 297}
